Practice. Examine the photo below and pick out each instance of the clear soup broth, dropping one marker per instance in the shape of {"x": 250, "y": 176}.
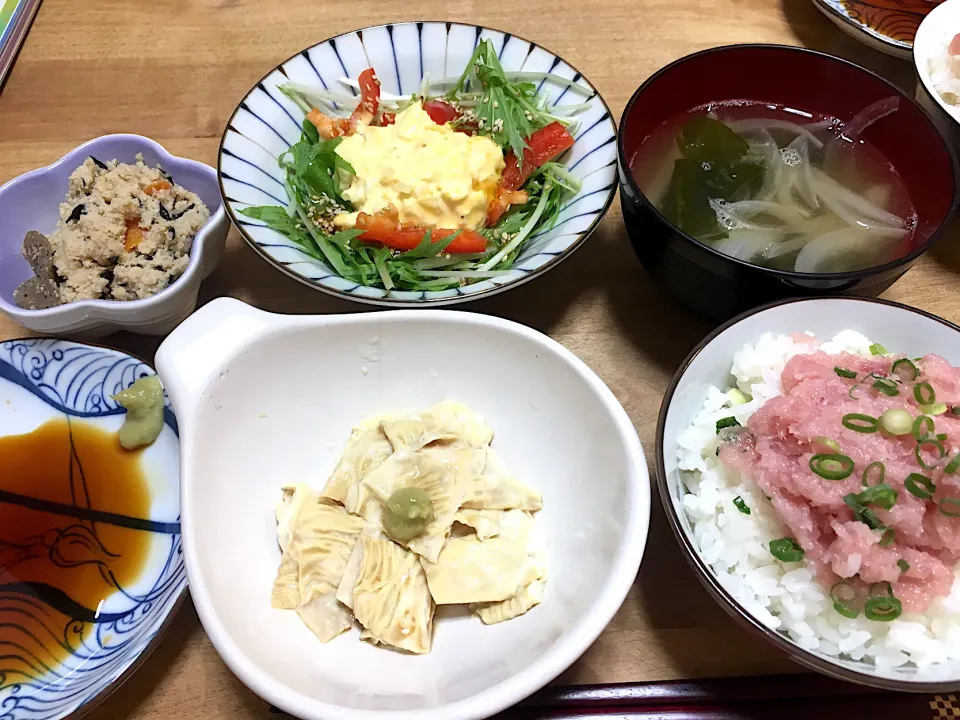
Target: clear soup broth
{"x": 779, "y": 187}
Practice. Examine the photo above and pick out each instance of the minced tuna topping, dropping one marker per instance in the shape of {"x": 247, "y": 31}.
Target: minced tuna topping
{"x": 125, "y": 232}
{"x": 858, "y": 458}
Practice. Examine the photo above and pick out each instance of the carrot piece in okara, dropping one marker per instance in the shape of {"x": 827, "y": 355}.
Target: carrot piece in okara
{"x": 133, "y": 235}
{"x": 157, "y": 186}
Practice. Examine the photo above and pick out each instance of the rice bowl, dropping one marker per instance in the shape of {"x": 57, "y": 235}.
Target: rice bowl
{"x": 785, "y": 596}
{"x": 730, "y": 550}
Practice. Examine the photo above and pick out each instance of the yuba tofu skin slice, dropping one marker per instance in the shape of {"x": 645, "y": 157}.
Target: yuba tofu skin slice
{"x": 471, "y": 570}
{"x": 485, "y": 523}
{"x": 391, "y": 599}
{"x": 366, "y": 449}
{"x": 319, "y": 540}
{"x": 496, "y": 489}
{"x": 441, "y": 473}
{"x": 497, "y": 612}
{"x": 325, "y": 617}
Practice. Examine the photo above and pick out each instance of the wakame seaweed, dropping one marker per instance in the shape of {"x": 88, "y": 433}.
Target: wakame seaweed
{"x": 713, "y": 166}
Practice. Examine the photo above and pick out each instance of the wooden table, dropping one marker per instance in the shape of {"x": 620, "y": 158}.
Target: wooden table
{"x": 175, "y": 69}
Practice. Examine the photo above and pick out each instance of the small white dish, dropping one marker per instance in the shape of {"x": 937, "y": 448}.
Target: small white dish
{"x": 32, "y": 202}
{"x": 897, "y": 327}
{"x": 265, "y": 400}
{"x": 932, "y": 39}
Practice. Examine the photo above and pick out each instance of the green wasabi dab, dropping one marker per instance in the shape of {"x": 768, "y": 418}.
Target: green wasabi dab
{"x": 407, "y": 514}
{"x": 144, "y": 404}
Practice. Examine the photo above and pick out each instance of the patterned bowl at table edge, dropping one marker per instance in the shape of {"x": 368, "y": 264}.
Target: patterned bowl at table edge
{"x": 899, "y": 18}
{"x": 266, "y": 123}
{"x": 40, "y": 380}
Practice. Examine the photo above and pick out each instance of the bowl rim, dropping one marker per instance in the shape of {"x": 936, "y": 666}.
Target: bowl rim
{"x": 425, "y": 301}
{"x": 864, "y": 33}
{"x": 703, "y": 572}
{"x": 577, "y": 637}
{"x": 790, "y": 276}
{"x": 172, "y": 614}
{"x": 923, "y": 74}
{"x": 103, "y": 308}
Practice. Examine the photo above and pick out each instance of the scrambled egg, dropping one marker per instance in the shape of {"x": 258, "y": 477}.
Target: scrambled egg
{"x": 433, "y": 175}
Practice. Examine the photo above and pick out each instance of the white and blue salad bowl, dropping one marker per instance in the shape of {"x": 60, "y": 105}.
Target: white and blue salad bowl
{"x": 59, "y": 658}
{"x": 266, "y": 123}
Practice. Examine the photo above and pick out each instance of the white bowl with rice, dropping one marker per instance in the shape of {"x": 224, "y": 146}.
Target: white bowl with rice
{"x": 938, "y": 70}
{"x": 132, "y": 229}
{"x": 734, "y": 373}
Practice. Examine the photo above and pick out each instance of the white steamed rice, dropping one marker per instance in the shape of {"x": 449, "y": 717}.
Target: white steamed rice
{"x": 945, "y": 75}
{"x": 785, "y": 596}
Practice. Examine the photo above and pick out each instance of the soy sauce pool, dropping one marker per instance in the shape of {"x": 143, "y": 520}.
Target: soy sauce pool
{"x": 59, "y": 558}
{"x": 779, "y": 187}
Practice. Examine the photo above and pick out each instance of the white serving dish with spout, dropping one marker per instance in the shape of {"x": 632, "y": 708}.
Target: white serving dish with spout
{"x": 265, "y": 400}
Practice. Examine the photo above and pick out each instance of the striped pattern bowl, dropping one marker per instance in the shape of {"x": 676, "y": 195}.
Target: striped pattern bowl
{"x": 266, "y": 123}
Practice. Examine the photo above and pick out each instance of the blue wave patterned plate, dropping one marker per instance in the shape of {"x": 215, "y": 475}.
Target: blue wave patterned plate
{"x": 91, "y": 568}
{"x": 266, "y": 123}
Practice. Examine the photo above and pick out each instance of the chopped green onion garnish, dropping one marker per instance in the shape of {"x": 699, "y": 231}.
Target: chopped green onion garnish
{"x": 860, "y": 422}
{"x": 864, "y": 514}
{"x": 844, "y": 373}
{"x": 786, "y": 549}
{"x": 874, "y": 473}
{"x": 905, "y": 369}
{"x": 727, "y": 422}
{"x": 887, "y": 387}
{"x": 827, "y": 442}
{"x": 903, "y": 565}
{"x": 741, "y": 505}
{"x": 935, "y": 409}
{"x": 831, "y": 466}
{"x": 896, "y": 421}
{"x": 937, "y": 447}
{"x": 924, "y": 393}
{"x": 887, "y": 538}
{"x": 953, "y": 465}
{"x": 883, "y": 609}
{"x": 843, "y": 594}
{"x": 920, "y": 486}
{"x": 881, "y": 495}
{"x": 955, "y": 410}
{"x": 950, "y": 507}
{"x": 923, "y": 428}
{"x": 737, "y": 397}
{"x": 877, "y": 349}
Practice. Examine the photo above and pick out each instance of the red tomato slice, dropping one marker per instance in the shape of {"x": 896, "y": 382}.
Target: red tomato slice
{"x": 440, "y": 112}
{"x": 544, "y": 145}
{"x": 384, "y": 230}
{"x": 369, "y": 96}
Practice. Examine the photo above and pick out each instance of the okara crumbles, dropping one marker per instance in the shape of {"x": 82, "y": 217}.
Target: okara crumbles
{"x": 125, "y": 233}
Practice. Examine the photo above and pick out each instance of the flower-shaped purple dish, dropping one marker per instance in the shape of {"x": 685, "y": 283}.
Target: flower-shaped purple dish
{"x": 31, "y": 202}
